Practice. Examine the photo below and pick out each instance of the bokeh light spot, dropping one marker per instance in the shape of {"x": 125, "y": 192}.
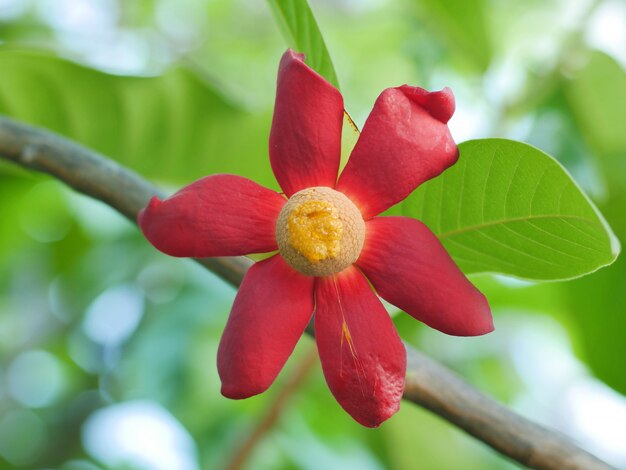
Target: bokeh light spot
{"x": 35, "y": 379}
{"x": 114, "y": 315}
{"x": 140, "y": 434}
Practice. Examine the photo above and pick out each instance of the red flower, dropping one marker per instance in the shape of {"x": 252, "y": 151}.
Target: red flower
{"x": 330, "y": 243}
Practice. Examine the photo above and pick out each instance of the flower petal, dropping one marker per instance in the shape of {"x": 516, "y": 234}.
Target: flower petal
{"x": 405, "y": 141}
{"x": 305, "y": 141}
{"x": 219, "y": 215}
{"x": 272, "y": 308}
{"x": 363, "y": 358}
{"x": 410, "y": 268}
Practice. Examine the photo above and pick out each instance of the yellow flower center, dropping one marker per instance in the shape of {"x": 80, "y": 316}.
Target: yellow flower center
{"x": 315, "y": 230}
{"x": 320, "y": 231}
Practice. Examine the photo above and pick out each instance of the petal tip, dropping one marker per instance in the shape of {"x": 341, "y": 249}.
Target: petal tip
{"x": 485, "y": 328}
{"x": 439, "y": 104}
{"x": 146, "y": 215}
{"x": 485, "y": 318}
{"x": 291, "y": 56}
{"x": 482, "y": 323}
{"x": 150, "y": 207}
{"x": 235, "y": 392}
{"x": 375, "y": 421}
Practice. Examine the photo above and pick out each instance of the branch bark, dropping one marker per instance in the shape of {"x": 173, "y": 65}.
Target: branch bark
{"x": 428, "y": 383}
{"x": 274, "y": 412}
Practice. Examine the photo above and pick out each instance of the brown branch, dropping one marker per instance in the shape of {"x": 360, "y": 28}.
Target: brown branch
{"x": 268, "y": 421}
{"x": 428, "y": 383}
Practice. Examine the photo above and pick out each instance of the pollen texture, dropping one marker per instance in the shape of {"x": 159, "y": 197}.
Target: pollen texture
{"x": 320, "y": 231}
{"x": 315, "y": 230}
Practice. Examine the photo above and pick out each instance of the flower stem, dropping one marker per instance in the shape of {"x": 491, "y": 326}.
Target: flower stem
{"x": 278, "y": 405}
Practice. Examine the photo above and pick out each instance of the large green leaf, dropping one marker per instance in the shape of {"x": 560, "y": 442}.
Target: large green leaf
{"x": 175, "y": 127}
{"x": 301, "y": 32}
{"x": 509, "y": 208}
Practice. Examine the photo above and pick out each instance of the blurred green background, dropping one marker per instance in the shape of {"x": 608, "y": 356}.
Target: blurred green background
{"x": 107, "y": 347}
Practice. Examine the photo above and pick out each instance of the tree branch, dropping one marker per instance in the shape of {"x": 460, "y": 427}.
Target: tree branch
{"x": 280, "y": 401}
{"x": 428, "y": 383}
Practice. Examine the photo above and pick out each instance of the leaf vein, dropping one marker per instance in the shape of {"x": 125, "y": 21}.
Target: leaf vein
{"x": 491, "y": 223}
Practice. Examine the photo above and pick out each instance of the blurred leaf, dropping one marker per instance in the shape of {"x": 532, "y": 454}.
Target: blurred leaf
{"x": 597, "y": 304}
{"x": 509, "y": 208}
{"x": 26, "y": 29}
{"x": 175, "y": 127}
{"x": 300, "y": 29}
{"x": 463, "y": 23}
{"x": 598, "y": 98}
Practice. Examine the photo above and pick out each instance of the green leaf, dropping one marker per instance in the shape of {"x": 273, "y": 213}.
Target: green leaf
{"x": 506, "y": 207}
{"x": 302, "y": 34}
{"x": 175, "y": 127}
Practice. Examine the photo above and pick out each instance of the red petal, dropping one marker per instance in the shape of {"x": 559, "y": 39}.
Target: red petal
{"x": 272, "y": 308}
{"x": 220, "y": 215}
{"x": 409, "y": 267}
{"x": 405, "y": 141}
{"x": 305, "y": 141}
{"x": 363, "y": 359}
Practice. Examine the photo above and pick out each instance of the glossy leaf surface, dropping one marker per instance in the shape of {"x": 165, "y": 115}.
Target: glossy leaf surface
{"x": 507, "y": 207}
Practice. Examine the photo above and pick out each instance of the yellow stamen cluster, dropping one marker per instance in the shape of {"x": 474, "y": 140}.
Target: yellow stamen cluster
{"x": 320, "y": 231}
{"x": 315, "y": 230}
